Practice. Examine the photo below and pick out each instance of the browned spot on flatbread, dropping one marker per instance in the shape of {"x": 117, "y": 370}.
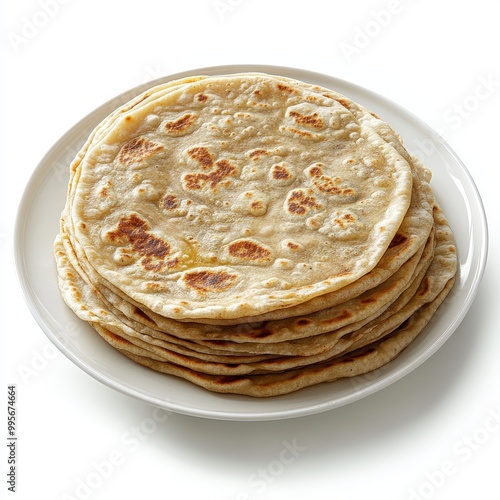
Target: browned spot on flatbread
{"x": 403, "y": 325}
{"x": 209, "y": 281}
{"x": 134, "y": 230}
{"x": 257, "y": 153}
{"x": 195, "y": 181}
{"x": 299, "y": 203}
{"x": 425, "y": 286}
{"x": 285, "y": 88}
{"x": 151, "y": 265}
{"x": 202, "y": 155}
{"x": 303, "y": 322}
{"x": 343, "y": 101}
{"x": 229, "y": 379}
{"x": 344, "y": 220}
{"x": 141, "y": 314}
{"x": 397, "y": 240}
{"x": 249, "y": 250}
{"x": 280, "y": 173}
{"x": 264, "y": 333}
{"x": 116, "y": 338}
{"x": 344, "y": 315}
{"x": 137, "y": 149}
{"x": 307, "y": 120}
{"x": 257, "y": 206}
{"x": 201, "y": 97}
{"x": 181, "y": 124}
{"x": 170, "y": 202}
{"x": 302, "y": 133}
{"x": 327, "y": 184}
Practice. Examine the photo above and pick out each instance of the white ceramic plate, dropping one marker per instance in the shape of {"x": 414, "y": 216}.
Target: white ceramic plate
{"x": 38, "y": 223}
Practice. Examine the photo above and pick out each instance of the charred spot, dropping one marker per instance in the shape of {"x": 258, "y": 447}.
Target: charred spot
{"x": 285, "y": 88}
{"x": 224, "y": 169}
{"x": 397, "y": 240}
{"x": 141, "y": 314}
{"x": 257, "y": 205}
{"x": 404, "y": 324}
{"x": 344, "y": 315}
{"x": 248, "y": 250}
{"x": 135, "y": 230}
{"x": 219, "y": 343}
{"x": 181, "y": 124}
{"x": 327, "y": 184}
{"x": 344, "y": 220}
{"x": 201, "y": 97}
{"x": 256, "y": 153}
{"x": 137, "y": 149}
{"x": 303, "y": 322}
{"x": 425, "y": 286}
{"x": 299, "y": 203}
{"x": 152, "y": 286}
{"x": 343, "y": 101}
{"x": 117, "y": 339}
{"x": 202, "y": 155}
{"x": 307, "y": 120}
{"x": 151, "y": 265}
{"x": 170, "y": 202}
{"x": 262, "y": 334}
{"x": 196, "y": 181}
{"x": 368, "y": 350}
{"x": 316, "y": 171}
{"x": 209, "y": 281}
{"x": 229, "y": 379}
{"x": 303, "y": 133}
{"x": 280, "y": 173}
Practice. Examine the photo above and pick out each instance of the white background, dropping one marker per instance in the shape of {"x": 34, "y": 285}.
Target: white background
{"x": 433, "y": 434}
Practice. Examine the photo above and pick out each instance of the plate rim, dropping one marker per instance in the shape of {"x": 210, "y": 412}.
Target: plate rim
{"x": 34, "y": 303}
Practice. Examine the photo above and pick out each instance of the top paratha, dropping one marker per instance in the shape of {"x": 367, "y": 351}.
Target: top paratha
{"x": 199, "y": 203}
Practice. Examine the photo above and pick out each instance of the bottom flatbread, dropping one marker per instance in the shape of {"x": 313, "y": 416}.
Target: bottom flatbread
{"x": 353, "y": 364}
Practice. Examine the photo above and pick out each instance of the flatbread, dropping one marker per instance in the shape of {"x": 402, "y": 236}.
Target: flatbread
{"x": 252, "y": 234}
{"x": 352, "y": 364}
{"x": 163, "y": 211}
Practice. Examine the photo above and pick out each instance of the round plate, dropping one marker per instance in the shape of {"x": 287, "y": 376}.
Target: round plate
{"x": 38, "y": 223}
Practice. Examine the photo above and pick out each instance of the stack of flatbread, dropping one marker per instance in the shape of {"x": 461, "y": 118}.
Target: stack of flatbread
{"x": 252, "y": 234}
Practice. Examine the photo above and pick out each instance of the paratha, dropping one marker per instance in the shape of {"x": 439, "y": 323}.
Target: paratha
{"x": 252, "y": 234}
{"x": 230, "y": 196}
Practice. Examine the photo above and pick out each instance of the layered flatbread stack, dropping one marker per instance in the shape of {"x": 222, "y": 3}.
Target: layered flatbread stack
{"x": 252, "y": 234}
